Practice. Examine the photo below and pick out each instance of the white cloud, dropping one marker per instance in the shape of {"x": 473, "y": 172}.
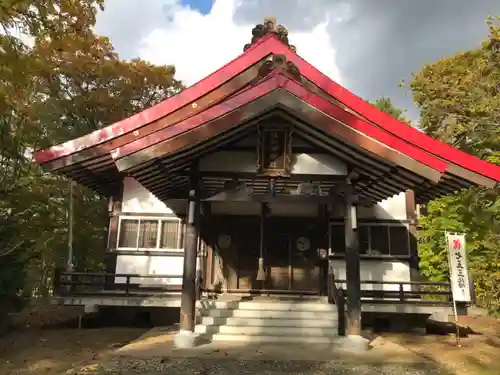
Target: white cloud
{"x": 199, "y": 44}
{"x": 28, "y": 40}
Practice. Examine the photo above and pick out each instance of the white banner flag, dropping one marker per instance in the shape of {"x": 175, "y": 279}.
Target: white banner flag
{"x": 459, "y": 273}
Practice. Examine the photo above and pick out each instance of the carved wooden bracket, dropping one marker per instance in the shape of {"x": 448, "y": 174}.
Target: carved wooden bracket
{"x": 279, "y": 62}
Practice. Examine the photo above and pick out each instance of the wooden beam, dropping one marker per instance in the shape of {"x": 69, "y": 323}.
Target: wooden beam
{"x": 253, "y": 176}
{"x": 278, "y": 198}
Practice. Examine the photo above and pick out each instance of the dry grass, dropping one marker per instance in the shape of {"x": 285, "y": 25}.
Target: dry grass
{"x": 33, "y": 347}
{"x": 54, "y": 351}
{"x": 479, "y": 354}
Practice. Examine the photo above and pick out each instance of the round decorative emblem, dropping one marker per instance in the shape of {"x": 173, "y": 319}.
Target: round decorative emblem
{"x": 224, "y": 241}
{"x": 303, "y": 244}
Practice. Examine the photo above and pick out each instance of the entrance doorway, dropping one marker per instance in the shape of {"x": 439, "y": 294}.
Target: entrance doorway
{"x": 290, "y": 255}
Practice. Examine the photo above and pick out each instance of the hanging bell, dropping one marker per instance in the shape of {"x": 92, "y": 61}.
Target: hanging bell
{"x": 261, "y": 274}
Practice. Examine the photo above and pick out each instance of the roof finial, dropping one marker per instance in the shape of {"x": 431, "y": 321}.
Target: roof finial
{"x": 269, "y": 26}
{"x": 270, "y": 23}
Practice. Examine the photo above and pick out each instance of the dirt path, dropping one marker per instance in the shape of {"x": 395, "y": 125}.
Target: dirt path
{"x": 153, "y": 353}
{"x": 50, "y": 352}
{"x": 94, "y": 351}
{"x": 226, "y": 366}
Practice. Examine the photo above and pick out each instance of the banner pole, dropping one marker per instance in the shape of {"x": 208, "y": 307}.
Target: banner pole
{"x": 455, "y": 313}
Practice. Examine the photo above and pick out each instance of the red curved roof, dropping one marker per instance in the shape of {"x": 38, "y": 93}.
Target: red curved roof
{"x": 370, "y": 120}
{"x": 185, "y": 97}
{"x": 265, "y": 87}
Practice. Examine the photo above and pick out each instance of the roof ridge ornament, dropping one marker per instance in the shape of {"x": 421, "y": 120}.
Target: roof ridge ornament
{"x": 279, "y": 61}
{"x": 269, "y": 26}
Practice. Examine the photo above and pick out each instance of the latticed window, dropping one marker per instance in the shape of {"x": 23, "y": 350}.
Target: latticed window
{"x": 364, "y": 239}
{"x": 172, "y": 235}
{"x": 337, "y": 239}
{"x": 148, "y": 234}
{"x": 128, "y": 233}
{"x": 379, "y": 240}
{"x": 399, "y": 240}
{"x": 374, "y": 239}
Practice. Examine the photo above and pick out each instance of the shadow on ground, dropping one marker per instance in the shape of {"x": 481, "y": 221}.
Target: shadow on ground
{"x": 153, "y": 353}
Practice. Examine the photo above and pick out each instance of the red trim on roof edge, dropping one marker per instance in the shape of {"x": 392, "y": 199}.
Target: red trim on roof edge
{"x": 273, "y": 82}
{"x": 270, "y": 44}
{"x": 265, "y": 87}
{"x": 389, "y": 123}
{"x": 366, "y": 128}
{"x": 251, "y": 56}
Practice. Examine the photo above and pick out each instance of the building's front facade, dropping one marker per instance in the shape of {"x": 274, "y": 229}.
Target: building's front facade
{"x": 266, "y": 177}
{"x": 150, "y": 240}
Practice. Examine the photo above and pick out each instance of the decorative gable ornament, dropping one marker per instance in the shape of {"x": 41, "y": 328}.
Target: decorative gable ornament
{"x": 269, "y": 26}
{"x": 279, "y": 61}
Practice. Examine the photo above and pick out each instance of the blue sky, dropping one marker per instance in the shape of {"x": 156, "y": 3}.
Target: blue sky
{"x": 203, "y": 6}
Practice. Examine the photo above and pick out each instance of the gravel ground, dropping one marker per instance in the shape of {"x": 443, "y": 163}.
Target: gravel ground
{"x": 223, "y": 366}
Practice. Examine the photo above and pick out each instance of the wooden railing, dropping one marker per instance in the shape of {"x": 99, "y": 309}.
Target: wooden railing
{"x": 264, "y": 292}
{"x": 421, "y": 292}
{"x": 91, "y": 283}
{"x": 418, "y": 291}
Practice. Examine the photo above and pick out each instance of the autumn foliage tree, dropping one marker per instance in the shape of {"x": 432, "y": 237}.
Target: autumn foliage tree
{"x": 58, "y": 81}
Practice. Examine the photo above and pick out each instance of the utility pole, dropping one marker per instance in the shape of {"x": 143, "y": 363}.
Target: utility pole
{"x": 69, "y": 260}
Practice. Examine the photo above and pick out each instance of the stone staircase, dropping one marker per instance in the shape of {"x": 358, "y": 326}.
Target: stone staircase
{"x": 289, "y": 321}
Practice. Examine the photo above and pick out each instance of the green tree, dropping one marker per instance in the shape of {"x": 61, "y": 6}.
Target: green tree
{"x": 386, "y": 105}
{"x": 64, "y": 83}
{"x": 459, "y": 100}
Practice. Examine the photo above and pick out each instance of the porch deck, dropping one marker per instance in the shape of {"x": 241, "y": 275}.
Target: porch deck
{"x": 97, "y": 289}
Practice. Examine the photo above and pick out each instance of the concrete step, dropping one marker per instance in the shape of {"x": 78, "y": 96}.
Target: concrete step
{"x": 269, "y": 322}
{"x": 268, "y": 331}
{"x": 276, "y": 339}
{"x": 269, "y": 306}
{"x": 267, "y": 314}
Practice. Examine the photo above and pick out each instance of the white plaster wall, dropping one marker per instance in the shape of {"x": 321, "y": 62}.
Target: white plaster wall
{"x": 240, "y": 161}
{"x": 375, "y": 270}
{"x": 150, "y": 265}
{"x": 317, "y": 164}
{"x": 137, "y": 199}
{"x": 393, "y": 208}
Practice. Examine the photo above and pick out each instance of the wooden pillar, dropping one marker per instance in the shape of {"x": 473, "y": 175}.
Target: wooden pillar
{"x": 188, "y": 297}
{"x": 411, "y": 215}
{"x": 114, "y": 211}
{"x": 205, "y": 231}
{"x": 353, "y": 274}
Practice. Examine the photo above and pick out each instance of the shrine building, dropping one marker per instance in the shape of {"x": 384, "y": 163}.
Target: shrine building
{"x": 268, "y": 187}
